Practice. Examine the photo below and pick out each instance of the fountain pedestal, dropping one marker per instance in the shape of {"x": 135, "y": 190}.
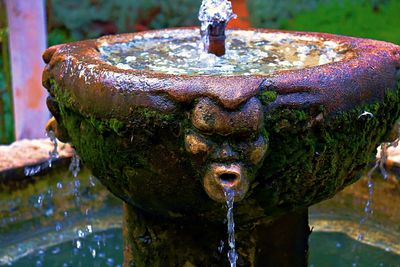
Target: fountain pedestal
{"x": 152, "y": 241}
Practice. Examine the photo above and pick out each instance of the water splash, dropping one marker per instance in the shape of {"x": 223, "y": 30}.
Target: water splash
{"x": 53, "y": 155}
{"x": 215, "y": 11}
{"x": 232, "y": 254}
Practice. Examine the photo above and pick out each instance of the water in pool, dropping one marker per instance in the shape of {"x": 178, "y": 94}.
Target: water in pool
{"x": 58, "y": 220}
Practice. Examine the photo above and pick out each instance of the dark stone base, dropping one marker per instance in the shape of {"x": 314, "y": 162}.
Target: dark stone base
{"x": 151, "y": 241}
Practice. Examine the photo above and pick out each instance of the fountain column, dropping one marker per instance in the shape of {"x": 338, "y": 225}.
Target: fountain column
{"x": 155, "y": 241}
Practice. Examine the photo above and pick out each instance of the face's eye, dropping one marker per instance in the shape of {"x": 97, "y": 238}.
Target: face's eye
{"x": 255, "y": 150}
{"x": 196, "y": 144}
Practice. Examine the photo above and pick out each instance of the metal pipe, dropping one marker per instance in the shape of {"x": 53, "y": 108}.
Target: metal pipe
{"x": 215, "y": 34}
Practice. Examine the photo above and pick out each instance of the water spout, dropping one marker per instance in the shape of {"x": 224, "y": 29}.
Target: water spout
{"x": 214, "y": 16}
{"x": 220, "y": 177}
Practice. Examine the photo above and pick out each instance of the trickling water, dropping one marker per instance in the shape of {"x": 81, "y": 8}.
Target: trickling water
{"x": 232, "y": 254}
{"x": 74, "y": 166}
{"x": 379, "y": 164}
{"x": 53, "y": 155}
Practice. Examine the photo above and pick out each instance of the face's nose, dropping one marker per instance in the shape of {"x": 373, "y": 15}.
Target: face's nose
{"x": 210, "y": 118}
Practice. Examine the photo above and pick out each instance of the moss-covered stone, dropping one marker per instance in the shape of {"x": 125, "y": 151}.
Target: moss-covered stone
{"x": 307, "y": 162}
{"x": 310, "y": 158}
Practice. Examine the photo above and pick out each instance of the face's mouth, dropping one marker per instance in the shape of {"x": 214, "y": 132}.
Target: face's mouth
{"x": 220, "y": 176}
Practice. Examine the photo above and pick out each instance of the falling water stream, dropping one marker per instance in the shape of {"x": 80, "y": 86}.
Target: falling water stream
{"x": 232, "y": 254}
{"x": 368, "y": 211}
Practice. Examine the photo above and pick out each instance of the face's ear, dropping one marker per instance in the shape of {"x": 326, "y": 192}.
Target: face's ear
{"x": 59, "y": 131}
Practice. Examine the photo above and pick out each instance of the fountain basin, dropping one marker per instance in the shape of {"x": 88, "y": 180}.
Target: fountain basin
{"x": 127, "y": 123}
{"x": 166, "y": 142}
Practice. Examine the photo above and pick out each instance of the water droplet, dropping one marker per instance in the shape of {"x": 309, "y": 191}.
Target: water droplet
{"x": 93, "y": 252}
{"x": 59, "y": 185}
{"x": 360, "y": 237}
{"x": 77, "y": 183}
{"x": 92, "y": 181}
{"x": 110, "y": 262}
{"x": 49, "y": 212}
{"x": 221, "y": 246}
{"x": 58, "y": 226}
{"x": 56, "y": 250}
{"x": 40, "y": 200}
{"x": 81, "y": 233}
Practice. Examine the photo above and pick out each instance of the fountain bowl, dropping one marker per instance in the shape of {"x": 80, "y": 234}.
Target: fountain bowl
{"x": 168, "y": 143}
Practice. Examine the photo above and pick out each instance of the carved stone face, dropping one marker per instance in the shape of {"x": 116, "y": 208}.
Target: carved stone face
{"x": 169, "y": 144}
{"x": 231, "y": 142}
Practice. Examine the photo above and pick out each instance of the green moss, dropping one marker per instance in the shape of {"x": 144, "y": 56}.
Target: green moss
{"x": 150, "y": 115}
{"x": 308, "y": 163}
{"x": 267, "y": 97}
{"x": 106, "y": 125}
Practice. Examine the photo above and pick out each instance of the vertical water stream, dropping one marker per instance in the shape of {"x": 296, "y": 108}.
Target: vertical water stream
{"x": 379, "y": 165}
{"x": 232, "y": 254}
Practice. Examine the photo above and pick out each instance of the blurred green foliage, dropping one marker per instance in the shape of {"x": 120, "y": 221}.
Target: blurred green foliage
{"x": 376, "y": 19}
{"x": 81, "y": 19}
{"x": 175, "y": 13}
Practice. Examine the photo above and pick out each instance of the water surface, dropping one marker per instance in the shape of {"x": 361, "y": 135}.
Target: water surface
{"x": 247, "y": 53}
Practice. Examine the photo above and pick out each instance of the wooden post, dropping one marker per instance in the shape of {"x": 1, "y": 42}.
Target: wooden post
{"x": 27, "y": 41}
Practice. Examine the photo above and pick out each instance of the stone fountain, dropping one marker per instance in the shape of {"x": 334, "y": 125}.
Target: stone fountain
{"x": 285, "y": 121}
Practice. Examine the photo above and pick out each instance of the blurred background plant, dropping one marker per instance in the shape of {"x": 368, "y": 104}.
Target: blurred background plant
{"x": 81, "y": 19}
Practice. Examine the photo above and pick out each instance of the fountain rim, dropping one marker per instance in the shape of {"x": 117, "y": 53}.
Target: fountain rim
{"x": 77, "y": 67}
